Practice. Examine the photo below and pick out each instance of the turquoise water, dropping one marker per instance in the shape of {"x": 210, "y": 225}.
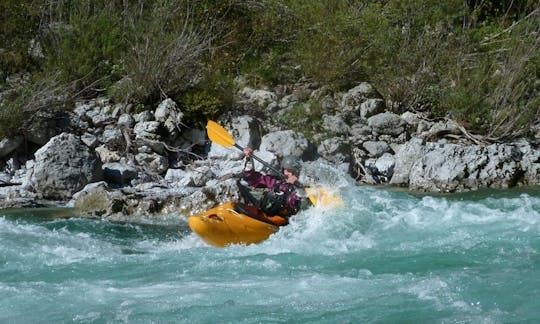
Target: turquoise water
{"x": 387, "y": 257}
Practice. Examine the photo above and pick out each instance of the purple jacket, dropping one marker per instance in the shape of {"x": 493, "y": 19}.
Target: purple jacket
{"x": 259, "y": 180}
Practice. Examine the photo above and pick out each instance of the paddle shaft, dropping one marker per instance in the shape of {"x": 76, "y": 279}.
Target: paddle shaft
{"x": 219, "y": 135}
{"x": 266, "y": 164}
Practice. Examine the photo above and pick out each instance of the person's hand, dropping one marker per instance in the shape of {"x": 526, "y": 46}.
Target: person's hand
{"x": 248, "y": 151}
{"x": 290, "y": 177}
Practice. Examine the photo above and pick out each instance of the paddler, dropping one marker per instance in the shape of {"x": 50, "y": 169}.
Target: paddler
{"x": 281, "y": 196}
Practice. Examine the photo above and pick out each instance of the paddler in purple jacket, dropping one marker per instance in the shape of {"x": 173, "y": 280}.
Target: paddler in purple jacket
{"x": 280, "y": 196}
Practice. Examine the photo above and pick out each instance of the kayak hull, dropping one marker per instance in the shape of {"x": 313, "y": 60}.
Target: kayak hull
{"x": 223, "y": 225}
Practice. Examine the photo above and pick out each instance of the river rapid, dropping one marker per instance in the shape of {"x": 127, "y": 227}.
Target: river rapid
{"x": 385, "y": 257}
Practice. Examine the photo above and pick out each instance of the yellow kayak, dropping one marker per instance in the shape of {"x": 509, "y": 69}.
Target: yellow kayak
{"x": 229, "y": 223}
{"x": 236, "y": 223}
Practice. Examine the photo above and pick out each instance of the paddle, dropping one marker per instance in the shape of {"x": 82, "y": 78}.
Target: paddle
{"x": 221, "y": 136}
{"x": 317, "y": 195}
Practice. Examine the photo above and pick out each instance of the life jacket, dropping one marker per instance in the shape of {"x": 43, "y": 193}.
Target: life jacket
{"x": 275, "y": 202}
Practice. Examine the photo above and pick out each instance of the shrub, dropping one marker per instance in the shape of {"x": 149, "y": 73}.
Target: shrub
{"x": 331, "y": 42}
{"x": 207, "y": 101}
{"x": 19, "y": 22}
{"x": 306, "y": 118}
{"x": 165, "y": 53}
{"x": 21, "y": 107}
{"x": 86, "y": 49}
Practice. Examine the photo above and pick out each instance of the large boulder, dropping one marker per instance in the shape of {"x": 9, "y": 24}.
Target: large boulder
{"x": 283, "y": 143}
{"x": 63, "y": 167}
{"x": 335, "y": 150}
{"x": 405, "y": 157}
{"x": 438, "y": 167}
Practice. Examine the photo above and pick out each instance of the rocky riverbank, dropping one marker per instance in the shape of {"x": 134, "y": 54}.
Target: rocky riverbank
{"x": 112, "y": 162}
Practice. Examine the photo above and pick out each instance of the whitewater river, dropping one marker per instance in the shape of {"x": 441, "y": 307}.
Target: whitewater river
{"x": 386, "y": 257}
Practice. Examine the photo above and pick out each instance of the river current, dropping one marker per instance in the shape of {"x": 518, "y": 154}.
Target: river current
{"x": 385, "y": 257}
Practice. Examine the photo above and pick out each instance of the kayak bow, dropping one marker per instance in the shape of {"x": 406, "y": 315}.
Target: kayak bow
{"x": 224, "y": 225}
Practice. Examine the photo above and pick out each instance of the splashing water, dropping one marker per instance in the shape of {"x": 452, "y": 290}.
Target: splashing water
{"x": 386, "y": 256}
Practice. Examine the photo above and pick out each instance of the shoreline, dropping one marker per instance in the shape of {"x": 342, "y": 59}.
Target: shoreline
{"x": 110, "y": 162}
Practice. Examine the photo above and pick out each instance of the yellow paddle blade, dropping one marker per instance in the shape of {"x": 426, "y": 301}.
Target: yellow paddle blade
{"x": 218, "y": 134}
{"x": 320, "y": 196}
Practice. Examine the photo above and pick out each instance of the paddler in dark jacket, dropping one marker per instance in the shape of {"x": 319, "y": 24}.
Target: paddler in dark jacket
{"x": 280, "y": 196}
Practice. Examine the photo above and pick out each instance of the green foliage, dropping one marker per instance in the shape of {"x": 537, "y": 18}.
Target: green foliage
{"x": 87, "y": 49}
{"x": 476, "y": 61}
{"x": 201, "y": 105}
{"x": 256, "y": 40}
{"x": 165, "y": 55}
{"x": 208, "y": 101}
{"x": 306, "y": 118}
{"x": 18, "y": 24}
{"x": 27, "y": 103}
{"x": 11, "y": 117}
{"x": 330, "y": 44}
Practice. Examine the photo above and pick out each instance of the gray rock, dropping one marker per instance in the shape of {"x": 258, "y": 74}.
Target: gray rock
{"x": 112, "y": 135}
{"x": 200, "y": 176}
{"x": 106, "y": 155}
{"x": 90, "y": 140}
{"x": 405, "y": 157}
{"x": 335, "y": 150}
{"x": 385, "y": 165}
{"x": 530, "y": 164}
{"x": 284, "y": 143}
{"x": 357, "y": 95}
{"x": 153, "y": 162}
{"x": 147, "y": 130}
{"x": 8, "y": 145}
{"x": 144, "y": 116}
{"x": 371, "y": 107}
{"x": 376, "y": 148}
{"x": 126, "y": 120}
{"x": 453, "y": 167}
{"x": 387, "y": 123}
{"x": 247, "y": 131}
{"x": 381, "y": 169}
{"x": 169, "y": 114}
{"x": 119, "y": 173}
{"x": 178, "y": 178}
{"x": 64, "y": 166}
{"x": 260, "y": 98}
{"x": 335, "y": 125}
{"x": 100, "y": 119}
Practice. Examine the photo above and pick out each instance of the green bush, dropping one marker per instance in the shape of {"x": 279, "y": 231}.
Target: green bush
{"x": 306, "y": 118}
{"x": 165, "y": 55}
{"x": 87, "y": 49}
{"x": 475, "y": 61}
{"x": 11, "y": 118}
{"x": 330, "y": 43}
{"x": 19, "y": 22}
{"x": 208, "y": 101}
{"x": 29, "y": 103}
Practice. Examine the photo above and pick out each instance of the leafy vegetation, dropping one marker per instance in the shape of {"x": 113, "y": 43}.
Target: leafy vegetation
{"x": 476, "y": 61}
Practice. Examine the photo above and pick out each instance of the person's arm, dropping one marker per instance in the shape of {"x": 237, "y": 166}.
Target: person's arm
{"x": 254, "y": 178}
{"x": 258, "y": 180}
{"x": 248, "y": 164}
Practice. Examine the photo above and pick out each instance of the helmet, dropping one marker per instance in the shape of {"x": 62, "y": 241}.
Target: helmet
{"x": 291, "y": 163}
